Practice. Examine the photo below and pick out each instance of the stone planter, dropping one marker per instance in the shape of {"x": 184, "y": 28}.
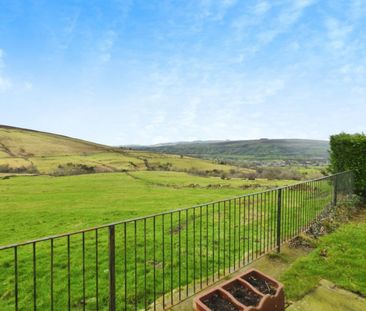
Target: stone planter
{"x": 251, "y": 291}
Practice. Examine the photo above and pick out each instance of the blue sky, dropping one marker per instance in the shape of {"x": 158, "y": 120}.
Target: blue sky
{"x": 144, "y": 72}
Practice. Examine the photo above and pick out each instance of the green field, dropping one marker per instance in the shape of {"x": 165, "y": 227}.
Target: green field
{"x": 189, "y": 246}
{"x": 27, "y": 151}
{"x": 35, "y": 206}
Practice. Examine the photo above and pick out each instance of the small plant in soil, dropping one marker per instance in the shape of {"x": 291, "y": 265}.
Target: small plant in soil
{"x": 262, "y": 285}
{"x": 244, "y": 295}
{"x": 217, "y": 303}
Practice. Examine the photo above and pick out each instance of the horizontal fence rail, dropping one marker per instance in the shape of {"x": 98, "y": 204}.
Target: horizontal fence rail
{"x": 154, "y": 262}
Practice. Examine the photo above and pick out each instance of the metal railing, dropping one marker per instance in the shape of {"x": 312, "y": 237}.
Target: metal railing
{"x": 156, "y": 261}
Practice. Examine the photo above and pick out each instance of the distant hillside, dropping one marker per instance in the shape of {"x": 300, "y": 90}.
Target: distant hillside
{"x": 18, "y": 142}
{"x": 262, "y": 149}
{"x": 29, "y": 151}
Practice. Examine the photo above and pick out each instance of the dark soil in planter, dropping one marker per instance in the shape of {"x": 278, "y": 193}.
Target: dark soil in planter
{"x": 244, "y": 295}
{"x": 217, "y": 303}
{"x": 262, "y": 285}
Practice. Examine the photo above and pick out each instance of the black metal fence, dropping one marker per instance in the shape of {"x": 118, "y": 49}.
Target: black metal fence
{"x": 156, "y": 261}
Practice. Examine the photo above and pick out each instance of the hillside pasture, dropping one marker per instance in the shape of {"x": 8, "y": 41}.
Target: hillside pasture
{"x": 45, "y": 152}
{"x": 38, "y": 206}
{"x": 50, "y": 205}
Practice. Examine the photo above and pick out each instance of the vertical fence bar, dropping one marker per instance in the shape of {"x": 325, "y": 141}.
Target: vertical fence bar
{"x": 16, "y": 277}
{"x": 68, "y": 274}
{"x": 171, "y": 259}
{"x": 270, "y": 221}
{"x": 96, "y": 271}
{"x": 163, "y": 255}
{"x": 83, "y": 269}
{"x": 145, "y": 266}
{"x": 235, "y": 234}
{"x": 179, "y": 256}
{"x": 251, "y": 226}
{"x": 187, "y": 254}
{"x": 268, "y": 217}
{"x": 201, "y": 247}
{"x": 224, "y": 254}
{"x": 34, "y": 277}
{"x": 125, "y": 261}
{"x": 207, "y": 244}
{"x": 194, "y": 250}
{"x": 279, "y": 205}
{"x": 154, "y": 261}
{"x": 229, "y": 246}
{"x": 51, "y": 272}
{"x": 135, "y": 248}
{"x": 244, "y": 235}
{"x": 213, "y": 242}
{"x": 112, "y": 268}
{"x": 239, "y": 235}
{"x": 259, "y": 225}
{"x": 335, "y": 190}
{"x": 218, "y": 240}
{"x": 288, "y": 213}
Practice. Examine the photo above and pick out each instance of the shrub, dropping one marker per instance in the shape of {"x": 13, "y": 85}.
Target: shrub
{"x": 279, "y": 173}
{"x": 31, "y": 169}
{"x": 348, "y": 152}
{"x": 73, "y": 169}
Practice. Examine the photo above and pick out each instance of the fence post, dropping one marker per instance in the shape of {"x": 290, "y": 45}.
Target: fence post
{"x": 112, "y": 269}
{"x": 335, "y": 190}
{"x": 279, "y": 203}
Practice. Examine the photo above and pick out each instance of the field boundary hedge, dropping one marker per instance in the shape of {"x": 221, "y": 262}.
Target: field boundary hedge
{"x": 348, "y": 152}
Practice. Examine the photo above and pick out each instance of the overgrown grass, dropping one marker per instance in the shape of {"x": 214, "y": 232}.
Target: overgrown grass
{"x": 36, "y": 206}
{"x": 339, "y": 257}
{"x": 198, "y": 243}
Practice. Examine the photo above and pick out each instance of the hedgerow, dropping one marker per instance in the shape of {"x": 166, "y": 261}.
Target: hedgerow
{"x": 348, "y": 152}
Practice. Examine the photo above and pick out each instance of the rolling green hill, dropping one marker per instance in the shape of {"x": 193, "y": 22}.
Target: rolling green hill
{"x": 262, "y": 149}
{"x": 138, "y": 183}
{"x": 30, "y": 151}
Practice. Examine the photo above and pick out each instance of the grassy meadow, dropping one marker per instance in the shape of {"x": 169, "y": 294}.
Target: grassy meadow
{"x": 50, "y": 205}
{"x": 194, "y": 245}
{"x": 44, "y": 191}
{"x": 26, "y": 151}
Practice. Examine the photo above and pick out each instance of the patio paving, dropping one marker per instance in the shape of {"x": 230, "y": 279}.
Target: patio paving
{"x": 328, "y": 297}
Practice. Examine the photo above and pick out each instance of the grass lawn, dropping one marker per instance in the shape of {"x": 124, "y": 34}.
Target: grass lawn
{"x": 197, "y": 243}
{"x": 37, "y": 206}
{"x": 340, "y": 258}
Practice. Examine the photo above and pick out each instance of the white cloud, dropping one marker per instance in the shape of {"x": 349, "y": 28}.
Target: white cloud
{"x": 286, "y": 19}
{"x": 338, "y": 32}
{"x": 1, "y": 59}
{"x": 357, "y": 9}
{"x": 255, "y": 29}
{"x": 262, "y": 7}
{"x": 214, "y": 10}
{"x": 264, "y": 91}
{"x": 106, "y": 46}
{"x": 5, "y": 83}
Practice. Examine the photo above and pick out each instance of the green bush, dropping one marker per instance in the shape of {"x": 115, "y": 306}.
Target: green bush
{"x": 348, "y": 152}
{"x": 30, "y": 169}
{"x": 73, "y": 169}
